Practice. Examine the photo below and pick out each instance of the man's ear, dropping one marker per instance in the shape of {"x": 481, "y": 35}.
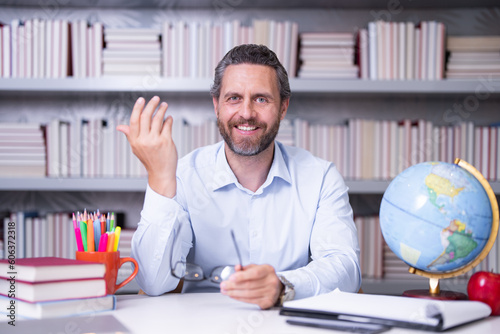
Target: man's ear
{"x": 284, "y": 108}
{"x": 216, "y": 104}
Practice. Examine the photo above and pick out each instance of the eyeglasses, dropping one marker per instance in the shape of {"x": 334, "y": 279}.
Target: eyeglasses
{"x": 193, "y": 272}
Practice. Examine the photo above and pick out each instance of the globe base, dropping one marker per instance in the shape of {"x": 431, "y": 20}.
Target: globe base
{"x": 441, "y": 295}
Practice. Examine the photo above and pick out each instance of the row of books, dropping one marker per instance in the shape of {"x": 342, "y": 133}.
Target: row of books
{"x": 402, "y": 51}
{"x": 193, "y": 49}
{"x": 473, "y": 57}
{"x": 362, "y": 149}
{"x": 327, "y": 55}
{"x": 366, "y": 149}
{"x": 36, "y": 48}
{"x": 48, "y": 287}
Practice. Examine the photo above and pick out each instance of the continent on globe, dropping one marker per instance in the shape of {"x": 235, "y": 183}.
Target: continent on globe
{"x": 457, "y": 243}
{"x": 438, "y": 185}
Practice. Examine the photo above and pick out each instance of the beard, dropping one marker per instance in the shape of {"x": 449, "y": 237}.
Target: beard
{"x": 249, "y": 146}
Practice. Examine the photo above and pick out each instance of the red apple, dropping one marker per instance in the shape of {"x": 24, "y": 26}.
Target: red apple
{"x": 484, "y": 286}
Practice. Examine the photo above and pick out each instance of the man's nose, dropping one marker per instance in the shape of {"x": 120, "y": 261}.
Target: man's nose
{"x": 247, "y": 110}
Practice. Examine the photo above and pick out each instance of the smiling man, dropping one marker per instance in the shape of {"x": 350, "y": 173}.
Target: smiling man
{"x": 289, "y": 211}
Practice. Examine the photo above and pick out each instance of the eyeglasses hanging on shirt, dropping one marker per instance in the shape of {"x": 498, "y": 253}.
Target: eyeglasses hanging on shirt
{"x": 193, "y": 272}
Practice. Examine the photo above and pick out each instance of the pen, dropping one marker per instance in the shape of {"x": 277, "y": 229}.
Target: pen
{"x": 97, "y": 233}
{"x": 90, "y": 236}
{"x": 103, "y": 243}
{"x": 118, "y": 230}
{"x": 79, "y": 243}
{"x": 83, "y": 230}
{"x": 111, "y": 241}
{"x": 237, "y": 250}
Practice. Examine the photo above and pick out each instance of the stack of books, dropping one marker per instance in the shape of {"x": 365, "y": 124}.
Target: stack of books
{"x": 327, "y": 55}
{"x": 49, "y": 287}
{"x": 132, "y": 51}
{"x": 22, "y": 150}
{"x": 473, "y": 57}
{"x": 402, "y": 51}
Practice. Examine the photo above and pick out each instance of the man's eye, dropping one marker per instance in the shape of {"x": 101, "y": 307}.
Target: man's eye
{"x": 261, "y": 100}
{"x": 233, "y": 99}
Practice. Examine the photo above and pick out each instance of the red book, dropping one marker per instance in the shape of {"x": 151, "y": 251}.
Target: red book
{"x": 53, "y": 290}
{"x": 44, "y": 269}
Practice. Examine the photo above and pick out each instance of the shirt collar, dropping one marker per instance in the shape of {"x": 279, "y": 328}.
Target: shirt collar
{"x": 224, "y": 175}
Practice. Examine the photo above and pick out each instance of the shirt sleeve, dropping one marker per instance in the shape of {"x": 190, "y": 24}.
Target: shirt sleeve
{"x": 159, "y": 241}
{"x": 334, "y": 244}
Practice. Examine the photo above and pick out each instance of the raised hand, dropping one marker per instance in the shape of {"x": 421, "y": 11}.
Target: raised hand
{"x": 150, "y": 136}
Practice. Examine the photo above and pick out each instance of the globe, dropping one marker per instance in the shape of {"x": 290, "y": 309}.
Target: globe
{"x": 439, "y": 218}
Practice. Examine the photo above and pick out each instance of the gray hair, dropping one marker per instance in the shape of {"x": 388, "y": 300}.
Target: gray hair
{"x": 251, "y": 54}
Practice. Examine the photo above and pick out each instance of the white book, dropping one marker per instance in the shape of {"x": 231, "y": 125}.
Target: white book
{"x": 20, "y": 234}
{"x": 97, "y": 49}
{"x": 418, "y": 55}
{"x": 49, "y": 49}
{"x": 28, "y": 48}
{"x": 14, "y": 38}
{"x": 193, "y": 50}
{"x": 37, "y": 243}
{"x": 469, "y": 156}
{"x": 65, "y": 45}
{"x": 287, "y": 45}
{"x": 64, "y": 148}
{"x": 166, "y": 41}
{"x": 53, "y": 141}
{"x": 402, "y": 50}
{"x": 75, "y": 48}
{"x": 21, "y": 43}
{"x": 51, "y": 231}
{"x": 388, "y": 47}
{"x": 6, "y": 52}
{"x": 372, "y": 49}
{"x": 381, "y": 50}
{"x": 424, "y": 49}
{"x": 41, "y": 50}
{"x": 395, "y": 50}
{"x": 432, "y": 50}
{"x": 485, "y": 137}
{"x": 363, "y": 50}
{"x": 293, "y": 50}
{"x": 57, "y": 53}
{"x": 440, "y": 50}
{"x": 391, "y": 310}
{"x": 410, "y": 50}
{"x": 75, "y": 148}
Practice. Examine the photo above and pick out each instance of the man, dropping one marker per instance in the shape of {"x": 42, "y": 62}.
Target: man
{"x": 289, "y": 211}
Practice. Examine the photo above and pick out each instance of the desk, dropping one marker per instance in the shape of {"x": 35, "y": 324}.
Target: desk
{"x": 205, "y": 313}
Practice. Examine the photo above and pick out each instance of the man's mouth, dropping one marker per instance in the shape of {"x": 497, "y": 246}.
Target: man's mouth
{"x": 246, "y": 127}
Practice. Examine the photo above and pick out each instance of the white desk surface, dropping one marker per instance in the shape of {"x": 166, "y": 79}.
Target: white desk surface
{"x": 214, "y": 313}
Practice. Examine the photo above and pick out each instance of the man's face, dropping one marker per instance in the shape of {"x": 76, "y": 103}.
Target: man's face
{"x": 249, "y": 110}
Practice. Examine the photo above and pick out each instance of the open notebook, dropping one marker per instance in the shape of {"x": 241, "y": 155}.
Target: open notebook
{"x": 417, "y": 313}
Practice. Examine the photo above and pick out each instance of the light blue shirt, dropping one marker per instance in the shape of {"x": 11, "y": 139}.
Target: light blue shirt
{"x": 299, "y": 221}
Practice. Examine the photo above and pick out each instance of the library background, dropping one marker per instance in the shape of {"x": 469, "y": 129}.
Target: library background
{"x": 377, "y": 86}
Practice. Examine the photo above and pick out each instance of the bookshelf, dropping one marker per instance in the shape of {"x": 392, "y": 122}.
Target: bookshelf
{"x": 318, "y": 101}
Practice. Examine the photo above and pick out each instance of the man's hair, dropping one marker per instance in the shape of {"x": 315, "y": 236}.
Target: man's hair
{"x": 251, "y": 54}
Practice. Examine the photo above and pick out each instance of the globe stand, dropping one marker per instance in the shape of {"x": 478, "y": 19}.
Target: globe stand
{"x": 435, "y": 292}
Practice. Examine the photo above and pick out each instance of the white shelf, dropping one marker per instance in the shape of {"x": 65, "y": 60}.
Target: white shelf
{"x": 202, "y": 86}
{"x": 139, "y": 185}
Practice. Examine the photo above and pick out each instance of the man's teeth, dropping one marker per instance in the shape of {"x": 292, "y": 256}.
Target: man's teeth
{"x": 246, "y": 128}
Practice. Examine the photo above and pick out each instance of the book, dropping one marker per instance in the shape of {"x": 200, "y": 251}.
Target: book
{"x": 53, "y": 290}
{"x": 44, "y": 269}
{"x": 60, "y": 308}
{"x": 416, "y": 313}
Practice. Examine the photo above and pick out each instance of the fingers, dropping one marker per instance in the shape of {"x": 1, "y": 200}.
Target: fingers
{"x": 147, "y": 113}
{"x": 135, "y": 117}
{"x": 123, "y": 128}
{"x": 157, "y": 122}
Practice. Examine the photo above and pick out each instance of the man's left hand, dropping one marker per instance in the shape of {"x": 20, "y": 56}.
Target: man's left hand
{"x": 255, "y": 284}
